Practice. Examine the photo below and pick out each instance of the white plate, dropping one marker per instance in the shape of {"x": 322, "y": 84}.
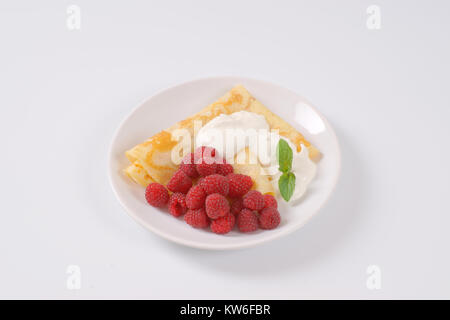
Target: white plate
{"x": 181, "y": 101}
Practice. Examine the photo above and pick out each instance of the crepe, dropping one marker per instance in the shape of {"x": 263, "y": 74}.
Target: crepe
{"x": 151, "y": 160}
{"x": 261, "y": 180}
{"x": 137, "y": 172}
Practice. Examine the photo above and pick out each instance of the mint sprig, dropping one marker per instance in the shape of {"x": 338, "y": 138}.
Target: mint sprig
{"x": 284, "y": 156}
{"x": 286, "y": 183}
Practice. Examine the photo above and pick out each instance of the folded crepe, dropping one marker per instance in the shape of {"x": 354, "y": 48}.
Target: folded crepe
{"x": 151, "y": 161}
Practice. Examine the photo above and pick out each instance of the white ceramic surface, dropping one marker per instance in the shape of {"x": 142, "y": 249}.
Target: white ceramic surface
{"x": 178, "y": 102}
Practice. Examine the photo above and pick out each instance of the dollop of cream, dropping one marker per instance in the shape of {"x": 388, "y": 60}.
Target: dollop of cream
{"x": 223, "y": 132}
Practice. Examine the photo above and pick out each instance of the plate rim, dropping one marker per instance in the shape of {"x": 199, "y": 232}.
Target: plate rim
{"x": 206, "y": 246}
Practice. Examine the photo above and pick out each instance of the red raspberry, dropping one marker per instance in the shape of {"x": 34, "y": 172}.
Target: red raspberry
{"x": 270, "y": 201}
{"x": 223, "y": 225}
{"x": 204, "y": 152}
{"x": 188, "y": 166}
{"x": 269, "y": 218}
{"x": 247, "y": 221}
{"x": 156, "y": 195}
{"x": 197, "y": 218}
{"x": 236, "y": 206}
{"x": 177, "y": 204}
{"x": 205, "y": 160}
{"x": 224, "y": 168}
{"x": 179, "y": 182}
{"x": 205, "y": 169}
{"x": 216, "y": 206}
{"x": 199, "y": 181}
{"x": 254, "y": 200}
{"x": 240, "y": 184}
{"x": 195, "y": 197}
{"x": 215, "y": 183}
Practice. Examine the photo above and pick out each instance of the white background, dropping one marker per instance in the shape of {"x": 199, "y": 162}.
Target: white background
{"x": 386, "y": 92}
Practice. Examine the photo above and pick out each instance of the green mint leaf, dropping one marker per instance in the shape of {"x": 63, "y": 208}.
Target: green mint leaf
{"x": 284, "y": 156}
{"x": 286, "y": 184}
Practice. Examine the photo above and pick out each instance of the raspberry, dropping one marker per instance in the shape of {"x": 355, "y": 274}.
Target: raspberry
{"x": 236, "y": 206}
{"x": 270, "y": 201}
{"x": 224, "y": 168}
{"x": 216, "y": 206}
{"x": 188, "y": 166}
{"x": 205, "y": 169}
{"x": 254, "y": 200}
{"x": 223, "y": 225}
{"x": 205, "y": 161}
{"x": 197, "y": 218}
{"x": 215, "y": 183}
{"x": 195, "y": 197}
{"x": 156, "y": 195}
{"x": 269, "y": 218}
{"x": 199, "y": 181}
{"x": 247, "y": 221}
{"x": 179, "y": 182}
{"x": 204, "y": 152}
{"x": 177, "y": 204}
{"x": 240, "y": 184}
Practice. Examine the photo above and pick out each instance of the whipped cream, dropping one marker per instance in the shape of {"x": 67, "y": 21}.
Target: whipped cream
{"x": 224, "y": 131}
{"x": 230, "y": 134}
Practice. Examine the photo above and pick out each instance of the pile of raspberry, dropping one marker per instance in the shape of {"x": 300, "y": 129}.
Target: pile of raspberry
{"x": 209, "y": 194}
